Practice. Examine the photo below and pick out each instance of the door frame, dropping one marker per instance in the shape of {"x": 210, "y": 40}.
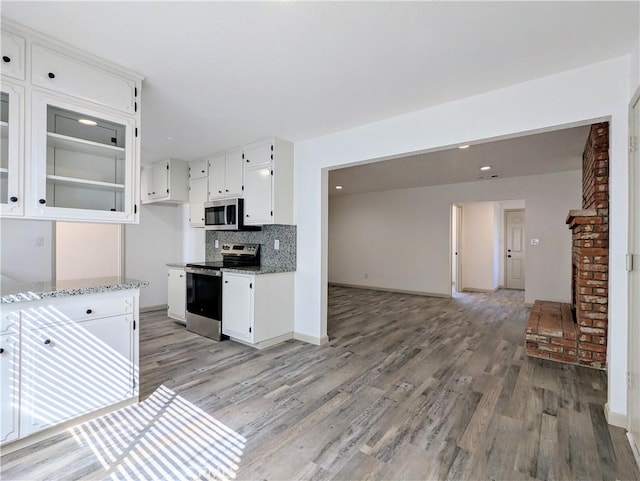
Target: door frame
{"x": 504, "y": 245}
{"x": 457, "y": 248}
{"x": 633, "y": 313}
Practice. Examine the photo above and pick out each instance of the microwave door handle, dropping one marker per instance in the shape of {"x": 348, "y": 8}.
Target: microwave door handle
{"x": 229, "y": 212}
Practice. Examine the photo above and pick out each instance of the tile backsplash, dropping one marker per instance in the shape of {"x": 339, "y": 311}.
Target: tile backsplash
{"x": 285, "y": 257}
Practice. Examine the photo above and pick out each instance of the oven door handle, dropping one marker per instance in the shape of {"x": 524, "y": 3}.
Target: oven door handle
{"x": 204, "y": 272}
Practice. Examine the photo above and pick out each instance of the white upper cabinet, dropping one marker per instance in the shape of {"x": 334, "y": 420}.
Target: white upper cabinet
{"x": 13, "y": 56}
{"x": 199, "y": 169}
{"x": 198, "y": 189}
{"x": 74, "y": 119}
{"x": 58, "y": 72}
{"x": 83, "y": 162}
{"x": 11, "y": 149}
{"x": 268, "y": 183}
{"x": 166, "y": 181}
{"x": 225, "y": 175}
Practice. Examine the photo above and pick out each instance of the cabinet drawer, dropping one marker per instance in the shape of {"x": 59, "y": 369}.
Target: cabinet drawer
{"x": 199, "y": 169}
{"x": 13, "y": 48}
{"x": 75, "y": 309}
{"x": 72, "y": 77}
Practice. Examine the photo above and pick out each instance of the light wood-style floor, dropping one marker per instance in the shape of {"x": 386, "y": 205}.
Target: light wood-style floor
{"x": 409, "y": 387}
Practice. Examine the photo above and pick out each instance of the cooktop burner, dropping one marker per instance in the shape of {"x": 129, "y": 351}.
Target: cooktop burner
{"x": 233, "y": 255}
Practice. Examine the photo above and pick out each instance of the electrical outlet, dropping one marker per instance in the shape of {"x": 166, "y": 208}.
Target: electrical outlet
{"x": 216, "y": 243}
{"x": 276, "y": 244}
{"x": 39, "y": 241}
{"x": 535, "y": 242}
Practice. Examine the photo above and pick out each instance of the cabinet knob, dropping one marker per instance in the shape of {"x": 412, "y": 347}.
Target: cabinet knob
{"x": 226, "y": 190}
{"x": 89, "y": 311}
{"x": 202, "y": 171}
{"x": 42, "y": 201}
{"x": 180, "y": 275}
{"x": 247, "y": 160}
{"x": 509, "y": 256}
{"x": 47, "y": 341}
{"x": 14, "y": 199}
{"x": 247, "y": 215}
{"x": 51, "y": 75}
{"x": 2, "y": 348}
{"x": 6, "y": 59}
{"x": 219, "y": 192}
{"x": 226, "y": 282}
{"x": 153, "y": 193}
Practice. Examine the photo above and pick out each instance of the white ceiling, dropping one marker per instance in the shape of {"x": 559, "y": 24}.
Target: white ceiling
{"x": 222, "y": 74}
{"x": 544, "y": 153}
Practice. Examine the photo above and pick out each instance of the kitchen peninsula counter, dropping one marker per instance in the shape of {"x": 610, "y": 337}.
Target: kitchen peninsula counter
{"x": 12, "y": 292}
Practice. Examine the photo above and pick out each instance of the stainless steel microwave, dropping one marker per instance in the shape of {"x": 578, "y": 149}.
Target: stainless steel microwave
{"x": 225, "y": 214}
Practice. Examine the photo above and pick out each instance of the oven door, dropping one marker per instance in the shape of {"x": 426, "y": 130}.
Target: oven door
{"x": 204, "y": 303}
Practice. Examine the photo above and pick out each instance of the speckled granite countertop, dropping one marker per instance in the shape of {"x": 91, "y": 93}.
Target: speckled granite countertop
{"x": 257, "y": 270}
{"x": 176, "y": 265}
{"x": 11, "y": 292}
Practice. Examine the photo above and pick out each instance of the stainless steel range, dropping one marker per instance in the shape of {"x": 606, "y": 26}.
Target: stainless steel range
{"x": 204, "y": 288}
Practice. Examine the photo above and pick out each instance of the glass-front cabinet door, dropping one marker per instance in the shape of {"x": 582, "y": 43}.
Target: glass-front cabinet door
{"x": 11, "y": 149}
{"x": 83, "y": 161}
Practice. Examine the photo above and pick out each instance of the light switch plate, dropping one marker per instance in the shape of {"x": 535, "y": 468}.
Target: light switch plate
{"x": 535, "y": 242}
{"x": 276, "y": 244}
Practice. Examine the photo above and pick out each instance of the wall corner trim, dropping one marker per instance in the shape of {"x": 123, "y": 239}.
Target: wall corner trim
{"x": 318, "y": 341}
{"x": 613, "y": 418}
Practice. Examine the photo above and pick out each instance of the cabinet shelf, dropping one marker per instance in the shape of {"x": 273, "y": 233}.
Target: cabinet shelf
{"x": 89, "y": 184}
{"x": 65, "y": 142}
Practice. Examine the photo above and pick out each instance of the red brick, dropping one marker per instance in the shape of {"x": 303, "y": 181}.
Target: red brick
{"x": 564, "y": 342}
{"x": 592, "y": 347}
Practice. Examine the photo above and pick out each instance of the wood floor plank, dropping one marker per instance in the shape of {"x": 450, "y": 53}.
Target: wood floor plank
{"x": 409, "y": 387}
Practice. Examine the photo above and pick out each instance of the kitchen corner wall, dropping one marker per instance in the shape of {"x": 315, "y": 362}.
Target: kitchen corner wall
{"x": 284, "y": 258}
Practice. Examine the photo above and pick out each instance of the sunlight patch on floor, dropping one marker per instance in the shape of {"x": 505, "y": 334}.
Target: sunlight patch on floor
{"x": 164, "y": 437}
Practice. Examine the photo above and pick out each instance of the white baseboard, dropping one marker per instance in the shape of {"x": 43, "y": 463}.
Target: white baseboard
{"x": 154, "y": 308}
{"x": 635, "y": 447}
{"x": 318, "y": 341}
{"x": 613, "y": 418}
{"x": 387, "y": 289}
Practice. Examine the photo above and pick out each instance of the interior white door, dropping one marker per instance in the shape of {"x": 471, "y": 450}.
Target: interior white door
{"x": 87, "y": 250}
{"x": 456, "y": 218}
{"x": 633, "y": 392}
{"x": 514, "y": 246}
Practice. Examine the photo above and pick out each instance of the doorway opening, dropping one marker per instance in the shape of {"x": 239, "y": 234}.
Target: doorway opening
{"x": 456, "y": 248}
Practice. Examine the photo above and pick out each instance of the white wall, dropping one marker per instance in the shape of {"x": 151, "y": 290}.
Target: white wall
{"x": 192, "y": 247}
{"x": 479, "y": 242}
{"x": 364, "y": 227}
{"x": 20, "y": 258}
{"x": 84, "y": 250}
{"x": 149, "y": 246}
{"x": 576, "y": 97}
{"x": 635, "y": 67}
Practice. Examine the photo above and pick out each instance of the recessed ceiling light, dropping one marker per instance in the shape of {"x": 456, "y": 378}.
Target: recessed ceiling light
{"x": 463, "y": 146}
{"x": 485, "y": 167}
{"x": 338, "y": 187}
{"x": 92, "y": 123}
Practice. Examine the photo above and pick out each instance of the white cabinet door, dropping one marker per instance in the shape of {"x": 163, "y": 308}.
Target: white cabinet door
{"x": 177, "y": 295}
{"x": 198, "y": 191}
{"x": 237, "y": 306}
{"x": 56, "y": 71}
{"x": 80, "y": 171}
{"x": 76, "y": 368}
{"x": 258, "y": 154}
{"x": 11, "y": 149}
{"x": 233, "y": 173}
{"x": 159, "y": 180}
{"x": 258, "y": 198}
{"x": 216, "y": 177}
{"x": 199, "y": 169}
{"x": 13, "y": 56}
{"x": 9, "y": 386}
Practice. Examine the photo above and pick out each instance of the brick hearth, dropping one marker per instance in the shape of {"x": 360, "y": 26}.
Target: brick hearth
{"x": 549, "y": 334}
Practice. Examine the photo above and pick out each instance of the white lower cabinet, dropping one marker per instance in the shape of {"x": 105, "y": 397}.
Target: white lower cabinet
{"x": 9, "y": 385}
{"x": 177, "y": 294}
{"x": 257, "y": 309}
{"x": 83, "y": 359}
{"x": 74, "y": 369}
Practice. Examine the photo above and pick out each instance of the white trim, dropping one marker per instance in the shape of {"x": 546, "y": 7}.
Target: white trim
{"x": 387, "y": 289}
{"x": 266, "y": 343}
{"x": 318, "y": 341}
{"x": 634, "y": 448}
{"x": 613, "y": 418}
